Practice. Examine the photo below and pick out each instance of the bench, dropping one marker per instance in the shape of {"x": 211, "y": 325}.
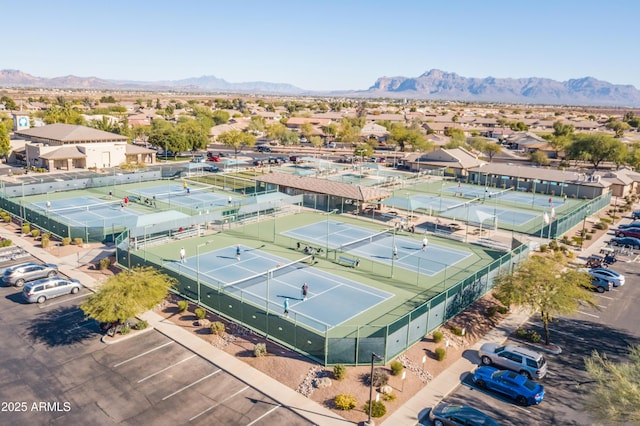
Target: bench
{"x": 354, "y": 263}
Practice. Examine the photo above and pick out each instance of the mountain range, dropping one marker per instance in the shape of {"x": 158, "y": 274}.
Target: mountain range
{"x": 432, "y": 85}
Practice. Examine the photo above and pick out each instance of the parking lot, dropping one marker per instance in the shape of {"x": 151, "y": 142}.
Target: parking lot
{"x": 55, "y": 370}
{"x": 610, "y": 328}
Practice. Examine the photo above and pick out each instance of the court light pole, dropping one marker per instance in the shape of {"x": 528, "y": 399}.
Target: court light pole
{"x": 374, "y": 356}
{"x": 584, "y": 222}
{"x": 326, "y": 249}
{"x": 198, "y": 265}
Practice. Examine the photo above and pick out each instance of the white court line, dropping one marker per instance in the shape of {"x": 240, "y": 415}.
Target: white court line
{"x": 216, "y": 405}
{"x": 166, "y": 368}
{"x": 143, "y": 354}
{"x": 191, "y": 384}
{"x": 586, "y": 313}
{"x": 63, "y": 300}
{"x": 265, "y": 414}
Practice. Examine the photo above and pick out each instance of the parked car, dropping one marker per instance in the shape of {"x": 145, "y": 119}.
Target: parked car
{"x": 634, "y": 224}
{"x": 636, "y": 214}
{"x": 524, "y": 361}
{"x": 213, "y": 157}
{"x": 47, "y": 288}
{"x": 263, "y": 148}
{"x": 625, "y": 242}
{"x": 199, "y": 159}
{"x": 18, "y": 275}
{"x": 607, "y": 274}
{"x": 455, "y": 415}
{"x": 600, "y": 284}
{"x": 509, "y": 383}
{"x": 628, "y": 232}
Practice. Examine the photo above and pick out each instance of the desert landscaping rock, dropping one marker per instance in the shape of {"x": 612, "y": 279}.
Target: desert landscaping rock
{"x": 322, "y": 382}
{"x": 306, "y": 387}
{"x": 423, "y": 375}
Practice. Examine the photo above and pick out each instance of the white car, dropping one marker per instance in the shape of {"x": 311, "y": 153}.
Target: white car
{"x": 608, "y": 275}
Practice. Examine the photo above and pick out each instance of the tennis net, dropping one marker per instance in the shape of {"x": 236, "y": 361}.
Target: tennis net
{"x": 366, "y": 240}
{"x": 64, "y": 211}
{"x": 271, "y": 273}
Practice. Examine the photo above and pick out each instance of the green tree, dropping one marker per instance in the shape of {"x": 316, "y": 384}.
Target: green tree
{"x": 220, "y": 117}
{"x": 560, "y": 129}
{"x": 316, "y": 142}
{"x": 276, "y": 131}
{"x": 194, "y": 136}
{"x": 236, "y": 139}
{"x": 164, "y": 135}
{"x": 127, "y": 294}
{"x": 490, "y": 149}
{"x": 257, "y": 124}
{"x": 615, "y": 395}
{"x": 545, "y": 285}
{"x": 5, "y": 143}
{"x": 363, "y": 150}
{"x": 594, "y": 148}
{"x": 330, "y": 131}
{"x": 457, "y": 135}
{"x": 617, "y": 126}
{"x": 8, "y": 103}
{"x": 539, "y": 157}
{"x": 306, "y": 130}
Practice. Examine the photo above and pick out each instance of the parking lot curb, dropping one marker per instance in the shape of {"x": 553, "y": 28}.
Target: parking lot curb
{"x": 133, "y": 333}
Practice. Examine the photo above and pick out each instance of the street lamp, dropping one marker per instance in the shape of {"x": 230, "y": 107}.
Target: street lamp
{"x": 198, "y": 265}
{"x": 370, "y": 422}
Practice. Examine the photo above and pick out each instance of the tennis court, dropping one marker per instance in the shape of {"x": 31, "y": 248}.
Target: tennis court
{"x": 481, "y": 213}
{"x": 266, "y": 280}
{"x": 195, "y": 198}
{"x": 378, "y": 246}
{"x": 86, "y": 210}
{"x": 531, "y": 199}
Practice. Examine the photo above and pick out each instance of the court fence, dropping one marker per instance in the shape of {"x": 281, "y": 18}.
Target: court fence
{"x": 349, "y": 345}
{"x": 562, "y": 225}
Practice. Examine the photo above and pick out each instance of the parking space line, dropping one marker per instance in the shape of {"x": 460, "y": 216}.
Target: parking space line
{"x": 215, "y": 405}
{"x": 566, "y": 334}
{"x": 191, "y": 384}
{"x": 86, "y": 323}
{"x": 63, "y": 301}
{"x": 607, "y": 297}
{"x": 75, "y": 311}
{"x": 487, "y": 392}
{"x": 586, "y": 313}
{"x": 166, "y": 368}
{"x": 265, "y": 414}
{"x": 143, "y": 354}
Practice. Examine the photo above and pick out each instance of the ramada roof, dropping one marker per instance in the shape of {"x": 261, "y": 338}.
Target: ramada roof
{"x": 64, "y": 153}
{"x": 323, "y": 186}
{"x": 70, "y": 133}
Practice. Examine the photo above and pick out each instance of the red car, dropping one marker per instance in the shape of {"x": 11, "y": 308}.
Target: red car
{"x": 212, "y": 157}
{"x": 629, "y": 232}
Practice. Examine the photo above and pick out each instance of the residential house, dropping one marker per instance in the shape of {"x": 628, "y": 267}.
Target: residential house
{"x": 455, "y": 162}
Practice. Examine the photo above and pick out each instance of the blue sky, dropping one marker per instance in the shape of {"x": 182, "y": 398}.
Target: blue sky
{"x": 322, "y": 45}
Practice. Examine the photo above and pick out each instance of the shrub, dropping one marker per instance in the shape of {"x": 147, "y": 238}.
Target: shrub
{"x": 441, "y": 353}
{"x": 389, "y": 396}
{"x": 396, "y": 368}
{"x": 183, "y": 305}
{"x": 141, "y": 325}
{"x": 553, "y": 245}
{"x": 438, "y": 336}
{"x": 543, "y": 248}
{"x": 217, "y": 328}
{"x": 503, "y": 309}
{"x": 588, "y": 237}
{"x": 492, "y": 311}
{"x": 339, "y": 371}
{"x": 125, "y": 329}
{"x": 77, "y": 241}
{"x": 66, "y": 241}
{"x": 378, "y": 408}
{"x": 521, "y": 333}
{"x": 26, "y": 228}
{"x": 259, "y": 350}
{"x": 605, "y": 220}
{"x": 200, "y": 313}
{"x": 5, "y": 243}
{"x": 380, "y": 378}
{"x": 35, "y": 233}
{"x": 533, "y": 336}
{"x": 457, "y": 330}
{"x": 104, "y": 263}
{"x": 345, "y": 401}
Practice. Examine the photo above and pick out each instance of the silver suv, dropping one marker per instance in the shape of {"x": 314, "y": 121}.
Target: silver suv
{"x": 526, "y": 362}
{"x": 48, "y": 288}
{"x": 17, "y": 275}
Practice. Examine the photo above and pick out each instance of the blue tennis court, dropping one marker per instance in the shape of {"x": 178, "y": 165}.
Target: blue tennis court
{"x": 378, "y": 246}
{"x": 485, "y": 214}
{"x": 86, "y": 210}
{"x": 262, "y": 278}
{"x": 195, "y": 198}
{"x": 531, "y": 199}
